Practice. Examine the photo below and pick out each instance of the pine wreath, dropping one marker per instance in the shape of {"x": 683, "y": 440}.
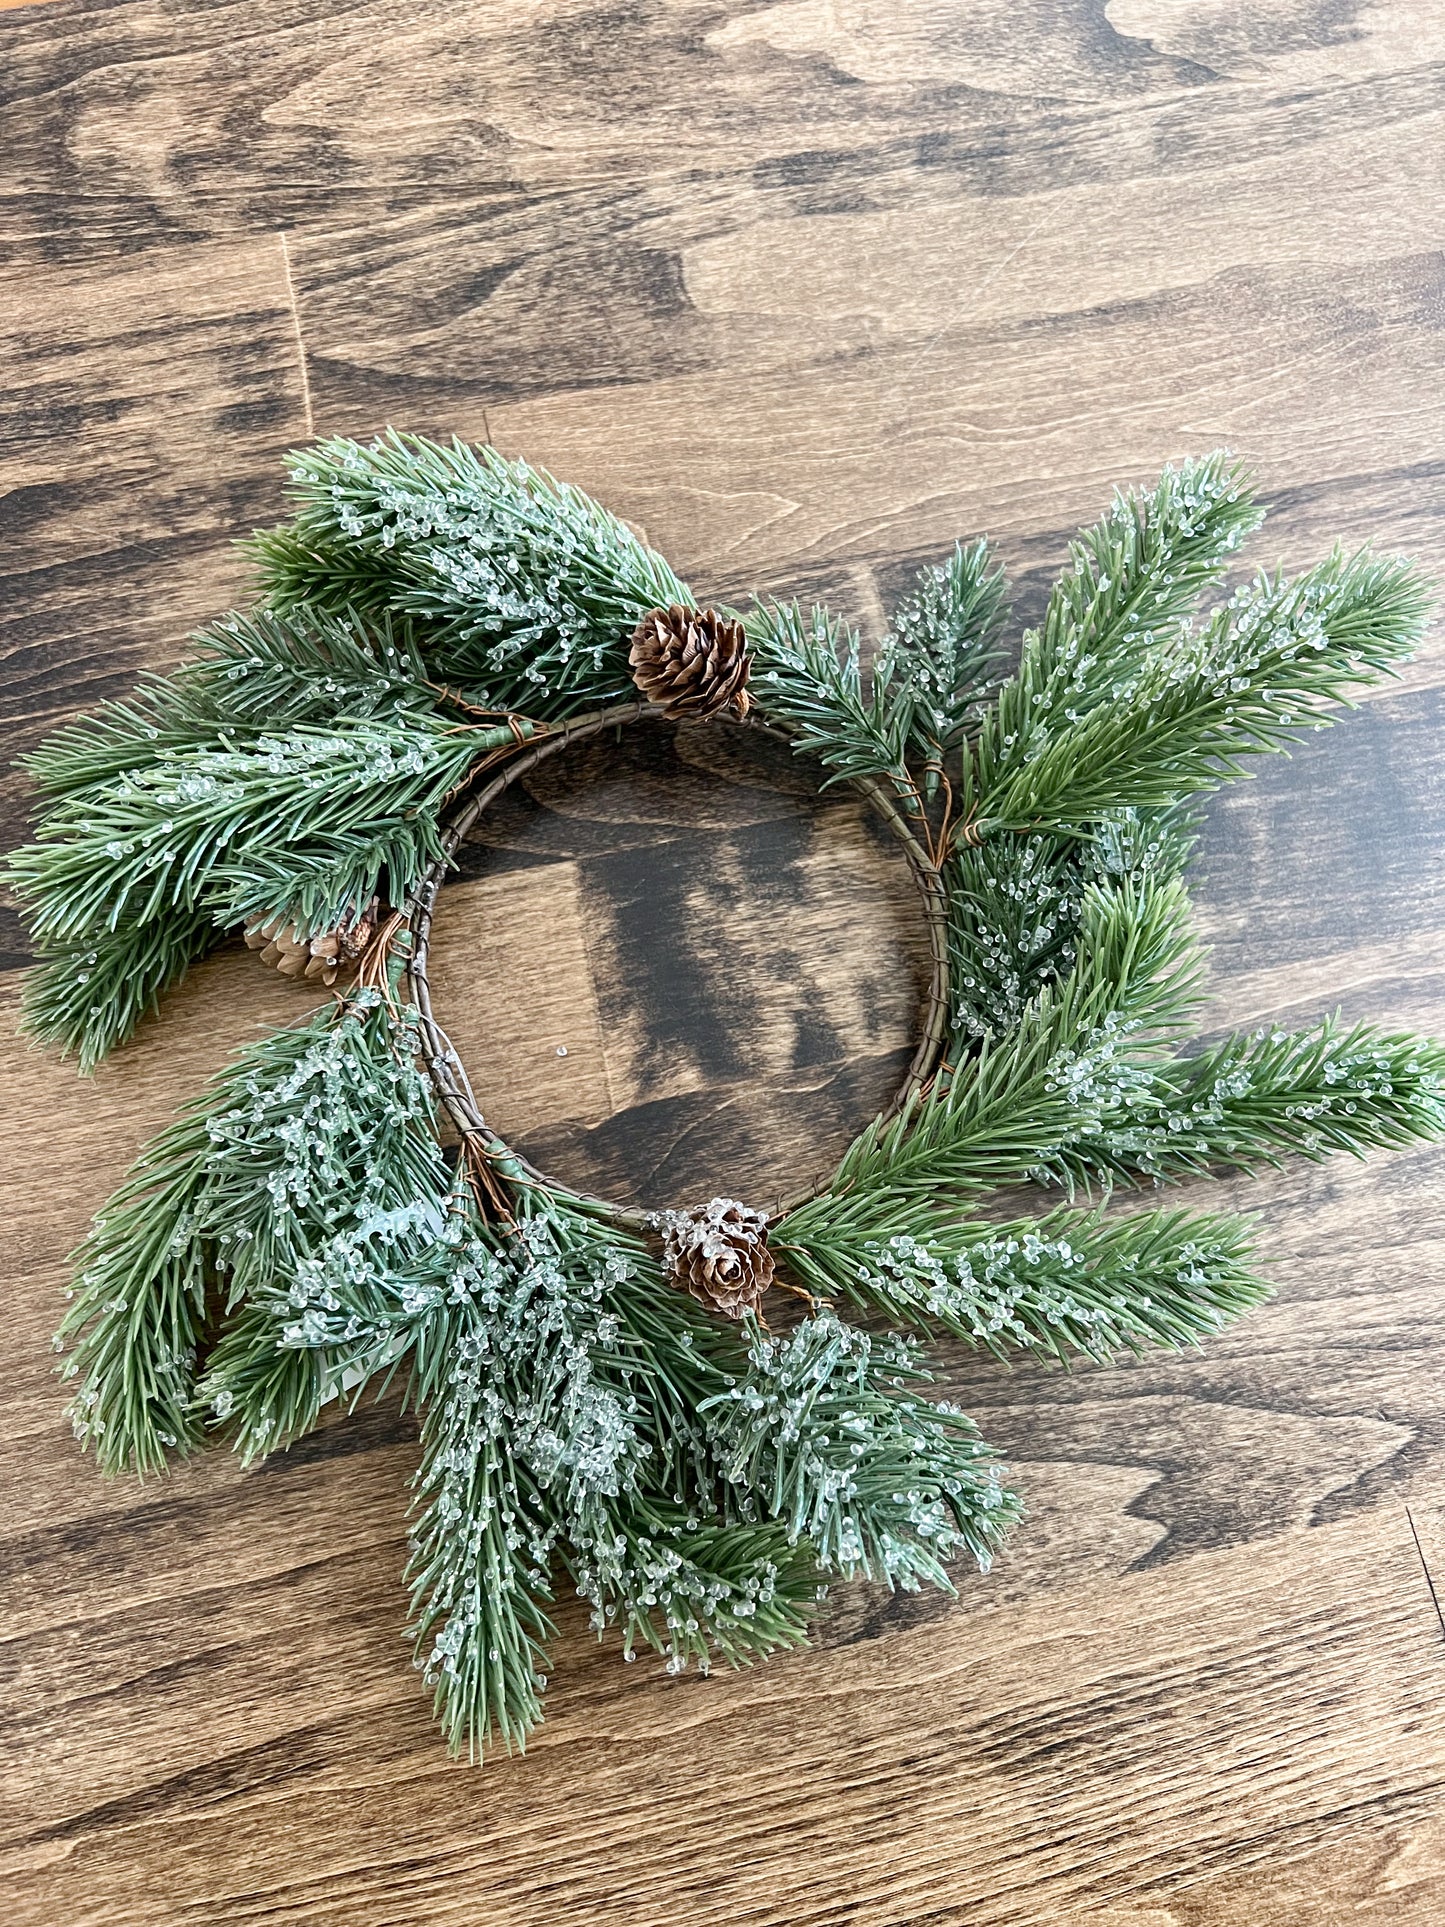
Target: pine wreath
{"x": 603, "y": 1402}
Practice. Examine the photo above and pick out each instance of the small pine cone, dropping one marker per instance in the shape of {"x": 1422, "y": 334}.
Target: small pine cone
{"x": 719, "y": 1254}
{"x": 312, "y": 957}
{"x": 354, "y": 934}
{"x": 692, "y": 663}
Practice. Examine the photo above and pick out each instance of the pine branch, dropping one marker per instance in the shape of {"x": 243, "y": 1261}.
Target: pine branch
{"x": 660, "y": 1345}
{"x": 1071, "y": 1282}
{"x": 477, "y": 1574}
{"x": 138, "y": 1307}
{"x": 528, "y": 590}
{"x": 250, "y": 676}
{"x": 1137, "y": 575}
{"x": 604, "y": 1405}
{"x": 265, "y": 1393}
{"x": 584, "y": 1368}
{"x": 308, "y": 564}
{"x": 158, "y": 839}
{"x": 157, "y": 719}
{"x": 161, "y": 811}
{"x": 408, "y": 1287}
{"x": 262, "y": 668}
{"x": 316, "y": 886}
{"x": 1254, "y": 1099}
{"x": 323, "y": 1174}
{"x": 1260, "y": 673}
{"x": 312, "y": 1137}
{"x": 807, "y": 678}
{"x": 1014, "y": 1112}
{"x": 943, "y": 653}
{"x": 89, "y": 994}
{"x": 287, "y": 768}
{"x": 1016, "y": 905}
{"x": 693, "y": 1590}
{"x": 879, "y": 1482}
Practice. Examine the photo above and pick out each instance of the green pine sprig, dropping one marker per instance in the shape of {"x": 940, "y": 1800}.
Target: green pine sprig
{"x": 1262, "y": 671}
{"x": 943, "y": 656}
{"x": 89, "y": 993}
{"x": 1135, "y": 579}
{"x": 177, "y": 834}
{"x": 291, "y": 768}
{"x": 881, "y": 1483}
{"x": 808, "y": 679}
{"x": 1016, "y": 906}
{"x": 520, "y": 586}
{"x": 138, "y": 1309}
{"x": 316, "y": 1146}
{"x": 1249, "y": 1101}
{"x": 248, "y": 676}
{"x": 1016, "y": 1110}
{"x": 478, "y": 1575}
{"x": 1069, "y": 1284}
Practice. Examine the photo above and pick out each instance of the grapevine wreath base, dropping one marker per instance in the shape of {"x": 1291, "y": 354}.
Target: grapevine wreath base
{"x": 607, "y": 1400}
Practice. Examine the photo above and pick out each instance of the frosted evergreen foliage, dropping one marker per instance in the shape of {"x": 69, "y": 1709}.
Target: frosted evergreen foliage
{"x": 808, "y": 676}
{"x": 1073, "y": 1282}
{"x": 929, "y": 678}
{"x": 90, "y": 992}
{"x": 944, "y": 654}
{"x": 588, "y": 1431}
{"x": 552, "y": 1443}
{"x": 526, "y": 588}
{"x": 1177, "y": 721}
{"x": 248, "y": 675}
{"x": 292, "y": 767}
{"x": 479, "y": 1573}
{"x": 1134, "y": 581}
{"x": 1019, "y": 1109}
{"x": 1017, "y": 905}
{"x": 316, "y": 1141}
{"x": 1251, "y": 1100}
{"x": 884, "y": 1484}
{"x": 181, "y": 833}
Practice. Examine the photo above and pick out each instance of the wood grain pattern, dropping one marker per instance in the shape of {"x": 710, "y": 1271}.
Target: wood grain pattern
{"x": 807, "y": 289}
{"x": 732, "y": 968}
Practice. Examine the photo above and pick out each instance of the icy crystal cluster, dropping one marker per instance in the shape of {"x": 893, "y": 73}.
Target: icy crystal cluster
{"x": 534, "y": 584}
{"x": 881, "y": 1483}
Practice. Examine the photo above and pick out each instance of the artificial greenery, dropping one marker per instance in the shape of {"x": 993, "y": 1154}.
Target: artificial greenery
{"x": 283, "y": 772}
{"x": 300, "y": 1234}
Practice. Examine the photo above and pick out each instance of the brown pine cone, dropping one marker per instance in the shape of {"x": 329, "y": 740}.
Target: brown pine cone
{"x": 313, "y": 957}
{"x": 692, "y": 663}
{"x": 718, "y": 1252}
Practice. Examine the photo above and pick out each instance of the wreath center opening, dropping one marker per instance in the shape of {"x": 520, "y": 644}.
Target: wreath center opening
{"x": 672, "y": 966}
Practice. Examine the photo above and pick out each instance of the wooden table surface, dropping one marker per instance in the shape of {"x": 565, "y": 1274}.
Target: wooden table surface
{"x": 806, "y": 288}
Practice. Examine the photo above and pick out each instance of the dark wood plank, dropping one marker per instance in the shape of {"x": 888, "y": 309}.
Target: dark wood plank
{"x": 807, "y": 291}
{"x": 147, "y": 404}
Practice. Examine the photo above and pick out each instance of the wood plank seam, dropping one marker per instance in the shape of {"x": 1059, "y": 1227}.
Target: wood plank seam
{"x": 1429, "y": 1581}
{"x": 300, "y": 339}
